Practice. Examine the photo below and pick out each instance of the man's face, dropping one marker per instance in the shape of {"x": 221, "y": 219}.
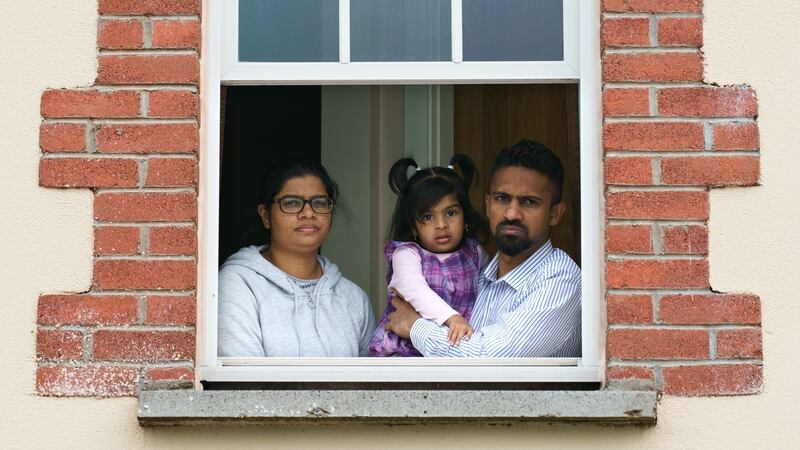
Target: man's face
{"x": 520, "y": 210}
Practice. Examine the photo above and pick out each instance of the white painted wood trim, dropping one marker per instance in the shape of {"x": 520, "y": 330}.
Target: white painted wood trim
{"x": 344, "y": 31}
{"x": 216, "y": 59}
{"x": 572, "y": 33}
{"x": 457, "y": 31}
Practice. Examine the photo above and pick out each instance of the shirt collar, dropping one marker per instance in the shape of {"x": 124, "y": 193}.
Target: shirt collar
{"x": 520, "y": 274}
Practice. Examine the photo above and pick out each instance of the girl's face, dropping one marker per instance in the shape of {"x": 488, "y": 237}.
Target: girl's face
{"x": 441, "y": 228}
{"x": 301, "y": 232}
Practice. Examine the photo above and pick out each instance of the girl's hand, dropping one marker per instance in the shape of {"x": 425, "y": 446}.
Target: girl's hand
{"x": 459, "y": 329}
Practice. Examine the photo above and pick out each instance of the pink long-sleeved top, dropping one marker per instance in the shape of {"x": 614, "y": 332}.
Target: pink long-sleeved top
{"x": 408, "y": 280}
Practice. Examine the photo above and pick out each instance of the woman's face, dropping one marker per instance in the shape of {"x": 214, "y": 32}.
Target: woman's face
{"x": 304, "y": 231}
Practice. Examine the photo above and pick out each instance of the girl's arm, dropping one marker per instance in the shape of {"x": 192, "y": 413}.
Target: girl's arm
{"x": 407, "y": 279}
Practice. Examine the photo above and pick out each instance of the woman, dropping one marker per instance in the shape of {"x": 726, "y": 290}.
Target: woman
{"x": 283, "y": 299}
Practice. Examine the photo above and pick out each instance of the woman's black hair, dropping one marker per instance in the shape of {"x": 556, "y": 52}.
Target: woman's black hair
{"x": 282, "y": 170}
{"x": 425, "y": 188}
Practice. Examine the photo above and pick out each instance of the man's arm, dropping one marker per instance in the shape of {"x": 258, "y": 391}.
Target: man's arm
{"x": 538, "y": 327}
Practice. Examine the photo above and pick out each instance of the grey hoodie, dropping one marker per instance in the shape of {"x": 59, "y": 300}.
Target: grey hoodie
{"x": 263, "y": 313}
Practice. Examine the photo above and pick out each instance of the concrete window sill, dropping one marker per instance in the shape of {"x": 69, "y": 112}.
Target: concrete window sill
{"x": 181, "y": 407}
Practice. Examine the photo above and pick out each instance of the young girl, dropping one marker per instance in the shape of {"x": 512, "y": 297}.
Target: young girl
{"x": 434, "y": 259}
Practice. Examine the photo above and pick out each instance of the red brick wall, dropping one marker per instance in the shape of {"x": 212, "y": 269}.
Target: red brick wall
{"x": 133, "y": 139}
{"x": 668, "y": 139}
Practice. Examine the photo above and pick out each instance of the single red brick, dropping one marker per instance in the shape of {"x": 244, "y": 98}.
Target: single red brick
{"x": 86, "y": 172}
{"x": 148, "y": 69}
{"x": 116, "y": 240}
{"x": 628, "y": 239}
{"x": 739, "y": 343}
{"x": 736, "y": 136}
{"x": 686, "y": 240}
{"x": 711, "y": 170}
{"x": 120, "y": 34}
{"x": 150, "y": 7}
{"x": 170, "y": 373}
{"x": 170, "y": 310}
{"x": 84, "y": 309}
{"x": 663, "y": 136}
{"x": 653, "y": 66}
{"x": 138, "y": 274}
{"x": 90, "y": 103}
{"x": 629, "y": 309}
{"x": 629, "y": 372}
{"x": 171, "y": 172}
{"x": 680, "y": 32}
{"x": 651, "y": 274}
{"x": 155, "y": 138}
{"x": 708, "y": 102}
{"x": 87, "y": 381}
{"x": 677, "y": 205}
{"x": 654, "y": 343}
{"x": 177, "y": 104}
{"x": 116, "y": 345}
{"x": 710, "y": 309}
{"x": 723, "y": 379}
{"x": 62, "y": 137}
{"x": 173, "y": 241}
{"x": 626, "y": 102}
{"x": 59, "y": 344}
{"x": 176, "y": 34}
{"x": 626, "y": 32}
{"x": 635, "y": 170}
{"x": 653, "y": 6}
{"x": 145, "y": 207}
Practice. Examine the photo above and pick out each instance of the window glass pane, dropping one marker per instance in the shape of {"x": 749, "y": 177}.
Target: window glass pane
{"x": 513, "y": 30}
{"x": 400, "y": 30}
{"x": 288, "y": 31}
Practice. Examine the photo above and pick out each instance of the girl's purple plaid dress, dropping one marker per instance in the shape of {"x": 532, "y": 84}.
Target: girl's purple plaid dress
{"x": 455, "y": 280}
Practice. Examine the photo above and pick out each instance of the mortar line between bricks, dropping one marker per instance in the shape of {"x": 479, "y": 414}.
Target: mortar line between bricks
{"x": 670, "y": 154}
{"x": 147, "y": 292}
{"x": 142, "y": 166}
{"x": 144, "y": 87}
{"x": 643, "y": 15}
{"x": 147, "y": 26}
{"x": 658, "y": 378}
{"x": 670, "y": 222}
{"x": 680, "y": 119}
{"x": 144, "y": 326}
{"x": 148, "y": 52}
{"x": 663, "y": 292}
{"x": 145, "y": 258}
{"x": 652, "y": 257}
{"x": 656, "y": 304}
{"x": 652, "y": 23}
{"x": 144, "y": 121}
{"x": 712, "y": 344}
{"x": 145, "y": 17}
{"x": 654, "y": 84}
{"x": 650, "y": 50}
{"x": 128, "y": 363}
{"x": 662, "y": 188}
{"x": 136, "y": 156}
{"x": 150, "y": 190}
{"x": 672, "y": 326}
{"x": 708, "y": 136}
{"x": 682, "y": 362}
{"x": 135, "y": 223}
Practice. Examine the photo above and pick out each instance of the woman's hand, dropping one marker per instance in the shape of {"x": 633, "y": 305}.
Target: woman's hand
{"x": 459, "y": 329}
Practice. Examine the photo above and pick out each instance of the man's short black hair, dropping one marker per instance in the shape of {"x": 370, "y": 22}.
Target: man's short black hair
{"x": 532, "y": 155}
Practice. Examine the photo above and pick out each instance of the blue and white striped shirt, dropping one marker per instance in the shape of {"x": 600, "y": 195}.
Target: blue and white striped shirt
{"x": 532, "y": 311}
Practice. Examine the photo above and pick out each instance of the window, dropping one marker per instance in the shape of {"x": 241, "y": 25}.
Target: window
{"x": 432, "y": 48}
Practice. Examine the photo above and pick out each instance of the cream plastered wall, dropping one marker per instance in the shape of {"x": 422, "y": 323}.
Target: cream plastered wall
{"x": 46, "y": 247}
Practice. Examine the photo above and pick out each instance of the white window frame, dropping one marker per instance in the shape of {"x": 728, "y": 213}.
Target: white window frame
{"x": 581, "y": 64}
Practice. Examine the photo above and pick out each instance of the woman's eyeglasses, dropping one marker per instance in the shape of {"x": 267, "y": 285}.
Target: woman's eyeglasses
{"x": 293, "y": 205}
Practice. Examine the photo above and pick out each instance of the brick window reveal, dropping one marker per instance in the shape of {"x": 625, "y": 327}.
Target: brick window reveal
{"x": 669, "y": 138}
{"x": 133, "y": 139}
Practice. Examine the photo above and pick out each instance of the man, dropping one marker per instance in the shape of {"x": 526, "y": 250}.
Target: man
{"x": 529, "y": 295}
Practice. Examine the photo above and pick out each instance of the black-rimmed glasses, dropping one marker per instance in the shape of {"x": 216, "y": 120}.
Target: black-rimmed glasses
{"x": 293, "y": 205}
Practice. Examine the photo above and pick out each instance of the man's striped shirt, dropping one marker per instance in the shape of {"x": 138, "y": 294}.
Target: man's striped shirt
{"x": 532, "y": 311}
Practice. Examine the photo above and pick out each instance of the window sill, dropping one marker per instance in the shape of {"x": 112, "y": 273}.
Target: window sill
{"x": 190, "y": 407}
